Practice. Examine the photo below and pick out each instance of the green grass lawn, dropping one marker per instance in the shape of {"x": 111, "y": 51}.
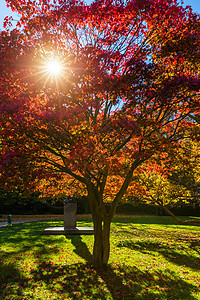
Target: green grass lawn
{"x": 151, "y": 258}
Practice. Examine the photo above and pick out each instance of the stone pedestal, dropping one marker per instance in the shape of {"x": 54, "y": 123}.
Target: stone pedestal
{"x": 69, "y": 228}
{"x": 70, "y": 209}
{"x": 69, "y": 231}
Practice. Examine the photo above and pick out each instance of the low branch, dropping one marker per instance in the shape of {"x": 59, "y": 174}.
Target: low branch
{"x": 64, "y": 169}
{"x": 124, "y": 186}
{"x": 179, "y": 220}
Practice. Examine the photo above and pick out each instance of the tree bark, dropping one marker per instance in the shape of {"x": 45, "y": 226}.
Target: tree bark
{"x": 101, "y": 249}
{"x": 101, "y": 221}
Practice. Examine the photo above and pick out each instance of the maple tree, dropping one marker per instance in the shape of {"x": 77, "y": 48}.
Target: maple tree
{"x": 171, "y": 178}
{"x": 175, "y": 183}
{"x": 128, "y": 78}
{"x": 186, "y": 166}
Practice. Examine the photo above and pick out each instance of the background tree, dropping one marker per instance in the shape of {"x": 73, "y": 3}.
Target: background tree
{"x": 172, "y": 187}
{"x": 123, "y": 86}
{"x": 185, "y": 164}
{"x": 172, "y": 178}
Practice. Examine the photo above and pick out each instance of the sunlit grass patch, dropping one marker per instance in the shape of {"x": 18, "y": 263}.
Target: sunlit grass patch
{"x": 153, "y": 259}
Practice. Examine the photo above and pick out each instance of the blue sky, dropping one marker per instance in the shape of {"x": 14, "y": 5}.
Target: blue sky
{"x": 4, "y": 11}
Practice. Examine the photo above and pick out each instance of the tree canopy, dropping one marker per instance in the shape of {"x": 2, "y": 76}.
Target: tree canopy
{"x": 128, "y": 79}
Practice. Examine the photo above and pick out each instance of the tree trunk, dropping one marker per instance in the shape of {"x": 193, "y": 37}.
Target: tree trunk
{"x": 102, "y": 218}
{"x": 101, "y": 250}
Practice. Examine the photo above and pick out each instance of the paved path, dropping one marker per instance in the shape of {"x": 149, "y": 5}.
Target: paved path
{"x": 4, "y": 224}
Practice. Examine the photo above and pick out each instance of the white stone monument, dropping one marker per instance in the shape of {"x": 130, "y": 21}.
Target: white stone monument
{"x": 70, "y": 209}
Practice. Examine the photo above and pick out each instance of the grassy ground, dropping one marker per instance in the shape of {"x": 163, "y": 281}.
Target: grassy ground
{"x": 151, "y": 258}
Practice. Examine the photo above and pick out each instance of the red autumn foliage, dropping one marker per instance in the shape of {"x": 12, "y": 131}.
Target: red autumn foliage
{"x": 126, "y": 86}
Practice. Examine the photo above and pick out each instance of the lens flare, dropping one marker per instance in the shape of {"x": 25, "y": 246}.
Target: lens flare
{"x": 54, "y": 67}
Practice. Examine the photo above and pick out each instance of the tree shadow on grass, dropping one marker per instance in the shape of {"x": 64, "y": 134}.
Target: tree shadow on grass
{"x": 81, "y": 248}
{"x": 12, "y": 281}
{"x": 20, "y": 239}
{"x": 27, "y": 234}
{"x": 170, "y": 254}
{"x": 125, "y": 282}
{"x": 82, "y": 281}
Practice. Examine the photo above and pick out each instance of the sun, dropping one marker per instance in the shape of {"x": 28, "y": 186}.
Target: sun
{"x": 52, "y": 70}
{"x": 54, "y": 67}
